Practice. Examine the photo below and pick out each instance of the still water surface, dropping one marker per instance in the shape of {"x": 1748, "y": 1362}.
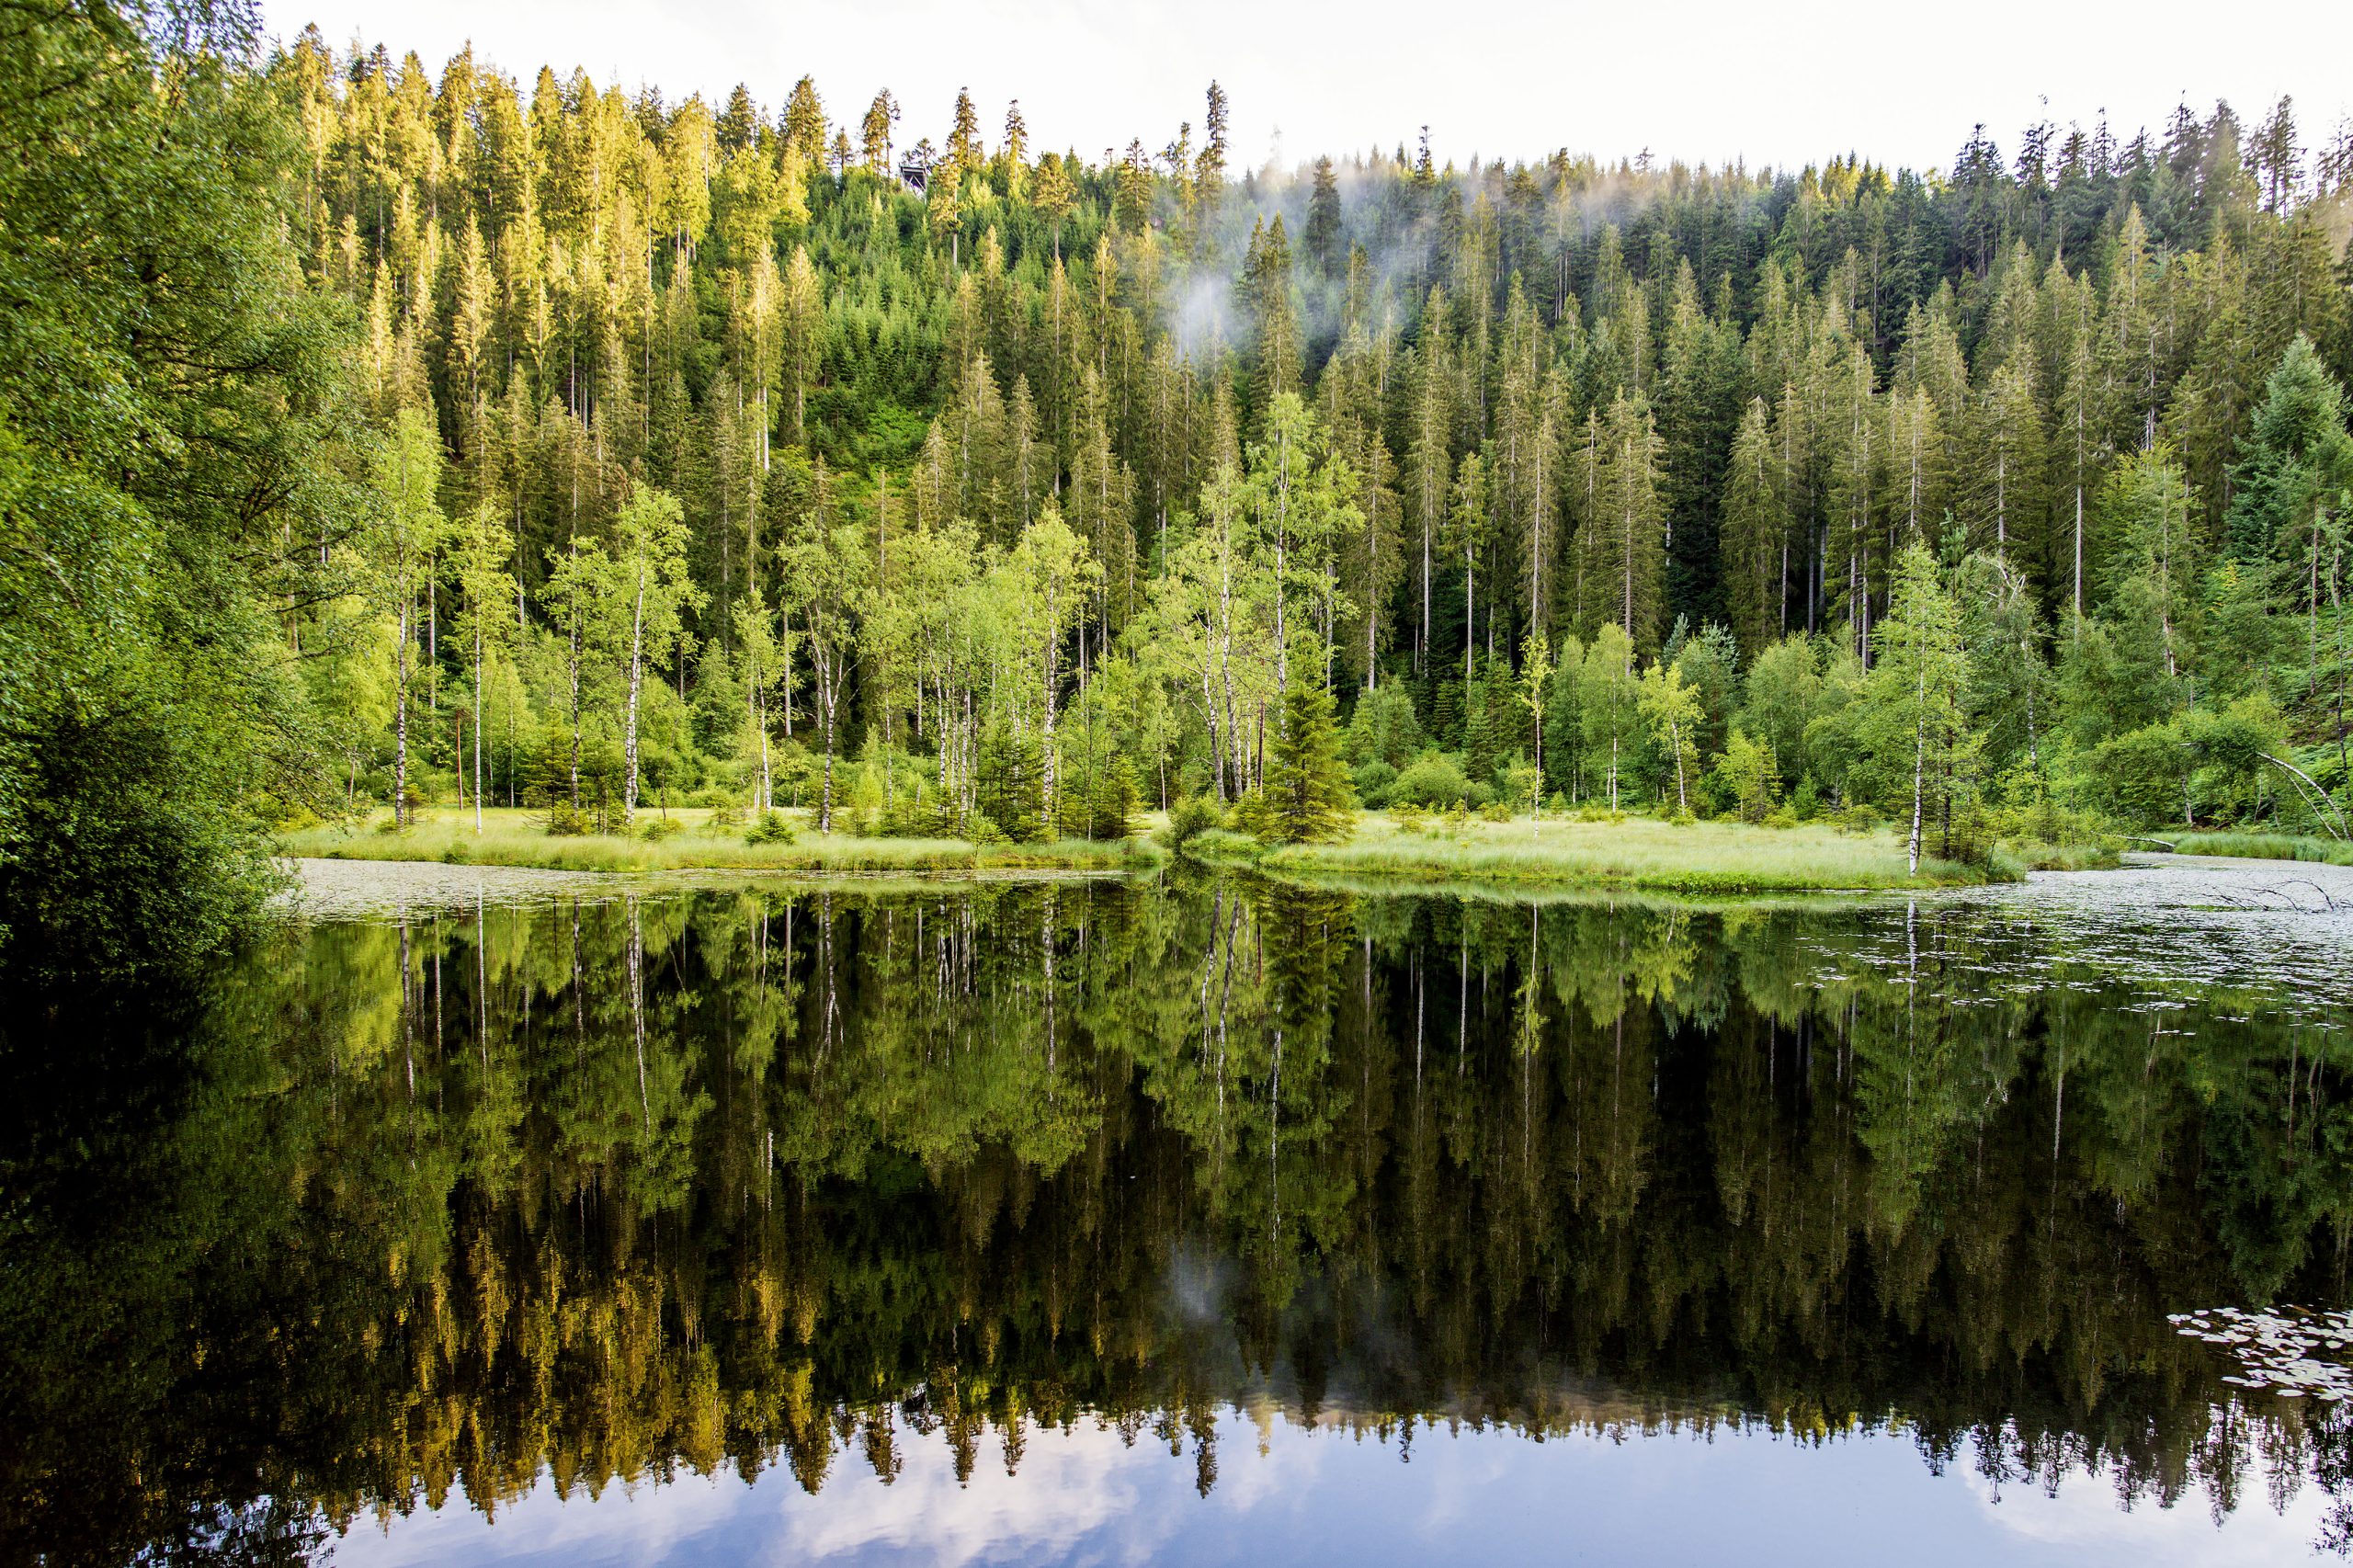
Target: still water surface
{"x": 475, "y": 1220}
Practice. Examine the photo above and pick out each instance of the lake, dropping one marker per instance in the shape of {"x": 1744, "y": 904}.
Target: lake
{"x": 475, "y": 1218}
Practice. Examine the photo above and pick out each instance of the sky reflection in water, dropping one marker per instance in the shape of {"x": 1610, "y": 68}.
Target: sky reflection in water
{"x": 1087, "y": 1497}
{"x": 1744, "y": 1235}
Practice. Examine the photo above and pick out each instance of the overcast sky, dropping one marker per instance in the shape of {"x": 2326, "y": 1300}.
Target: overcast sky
{"x": 1781, "y": 83}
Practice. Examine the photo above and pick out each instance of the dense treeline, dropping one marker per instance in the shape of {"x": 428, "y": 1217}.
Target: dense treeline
{"x": 750, "y": 454}
{"x": 175, "y": 413}
{"x": 1005, "y": 469}
{"x": 616, "y": 1191}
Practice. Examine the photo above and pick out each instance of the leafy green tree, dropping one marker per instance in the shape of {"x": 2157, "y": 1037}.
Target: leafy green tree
{"x": 408, "y": 533}
{"x": 485, "y": 549}
{"x": 650, "y": 564}
{"x": 1913, "y": 716}
{"x": 1535, "y": 676}
{"x": 579, "y": 592}
{"x": 1672, "y": 706}
{"x": 1610, "y": 702}
{"x": 1749, "y": 776}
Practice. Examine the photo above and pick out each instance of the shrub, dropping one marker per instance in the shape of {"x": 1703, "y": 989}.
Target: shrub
{"x": 653, "y": 830}
{"x": 1434, "y": 780}
{"x": 770, "y": 827}
{"x": 727, "y": 813}
{"x": 1191, "y": 816}
{"x": 1373, "y": 781}
{"x": 564, "y": 821}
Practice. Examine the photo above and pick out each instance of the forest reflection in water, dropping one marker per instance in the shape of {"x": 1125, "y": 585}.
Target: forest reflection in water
{"x": 437, "y": 1219}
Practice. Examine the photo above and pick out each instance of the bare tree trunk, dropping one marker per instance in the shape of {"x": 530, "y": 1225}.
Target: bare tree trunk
{"x": 477, "y": 728}
{"x": 1051, "y": 680}
{"x": 1920, "y": 759}
{"x": 400, "y": 718}
{"x": 636, "y": 680}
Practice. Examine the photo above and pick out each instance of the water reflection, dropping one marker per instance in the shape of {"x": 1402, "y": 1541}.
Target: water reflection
{"x": 442, "y": 1220}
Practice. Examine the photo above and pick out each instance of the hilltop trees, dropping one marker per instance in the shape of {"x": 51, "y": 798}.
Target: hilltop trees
{"x": 760, "y": 444}
{"x": 1374, "y": 420}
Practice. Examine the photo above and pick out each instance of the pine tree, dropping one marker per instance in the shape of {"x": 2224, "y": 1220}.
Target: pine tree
{"x": 1307, "y": 799}
{"x": 1619, "y": 545}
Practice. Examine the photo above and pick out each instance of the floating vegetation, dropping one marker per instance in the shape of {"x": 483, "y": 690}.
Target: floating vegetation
{"x": 2277, "y": 1348}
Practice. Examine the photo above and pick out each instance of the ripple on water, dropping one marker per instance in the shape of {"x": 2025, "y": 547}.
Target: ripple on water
{"x": 365, "y": 890}
{"x": 2283, "y": 928}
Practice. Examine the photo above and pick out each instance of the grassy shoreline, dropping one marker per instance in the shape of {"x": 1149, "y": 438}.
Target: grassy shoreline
{"x": 2259, "y": 846}
{"x": 1637, "y": 853}
{"x": 1633, "y": 853}
{"x": 511, "y": 837}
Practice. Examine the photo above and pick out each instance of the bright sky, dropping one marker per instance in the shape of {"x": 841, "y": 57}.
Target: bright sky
{"x": 1781, "y": 83}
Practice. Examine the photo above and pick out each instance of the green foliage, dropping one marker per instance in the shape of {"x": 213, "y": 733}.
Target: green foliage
{"x": 1749, "y": 777}
{"x": 758, "y": 466}
{"x": 771, "y": 827}
{"x": 170, "y": 417}
{"x": 1434, "y": 780}
{"x": 1188, "y": 817}
{"x": 1306, "y": 799}
{"x": 1384, "y": 727}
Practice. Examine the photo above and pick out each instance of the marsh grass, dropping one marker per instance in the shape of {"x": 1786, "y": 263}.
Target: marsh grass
{"x": 2265, "y": 847}
{"x": 1630, "y": 852}
{"x": 519, "y": 838}
{"x": 1639, "y": 852}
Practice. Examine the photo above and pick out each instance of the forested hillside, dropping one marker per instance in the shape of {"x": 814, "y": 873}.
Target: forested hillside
{"x": 799, "y": 449}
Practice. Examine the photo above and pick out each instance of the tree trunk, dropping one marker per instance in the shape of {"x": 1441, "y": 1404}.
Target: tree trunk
{"x": 574, "y": 672}
{"x": 1919, "y": 760}
{"x": 477, "y": 732}
{"x": 636, "y": 679}
{"x": 1046, "y": 722}
{"x": 400, "y": 719}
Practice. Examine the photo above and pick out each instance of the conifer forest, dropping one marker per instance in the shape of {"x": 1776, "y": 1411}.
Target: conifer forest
{"x": 564, "y": 446}
{"x": 777, "y": 825}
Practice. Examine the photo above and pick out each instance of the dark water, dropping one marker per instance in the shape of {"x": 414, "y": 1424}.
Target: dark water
{"x": 1212, "y": 1221}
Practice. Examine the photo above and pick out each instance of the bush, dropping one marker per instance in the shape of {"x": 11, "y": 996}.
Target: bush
{"x": 1495, "y": 810}
{"x": 564, "y": 821}
{"x": 1373, "y": 781}
{"x": 1433, "y": 779}
{"x": 726, "y": 813}
{"x": 1191, "y": 816}
{"x": 653, "y": 830}
{"x": 770, "y": 827}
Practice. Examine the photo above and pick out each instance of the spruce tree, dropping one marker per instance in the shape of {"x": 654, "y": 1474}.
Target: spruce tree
{"x": 1307, "y": 799}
